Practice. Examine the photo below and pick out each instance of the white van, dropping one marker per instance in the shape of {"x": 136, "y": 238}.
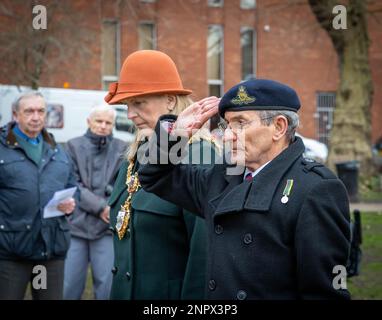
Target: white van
{"x": 67, "y": 111}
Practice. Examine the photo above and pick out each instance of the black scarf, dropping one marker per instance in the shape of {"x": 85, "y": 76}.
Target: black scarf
{"x": 99, "y": 141}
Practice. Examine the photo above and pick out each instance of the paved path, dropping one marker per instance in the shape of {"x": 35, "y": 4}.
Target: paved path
{"x": 366, "y": 206}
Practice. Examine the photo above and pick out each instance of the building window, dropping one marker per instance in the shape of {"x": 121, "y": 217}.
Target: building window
{"x": 215, "y": 60}
{"x": 326, "y": 102}
{"x": 247, "y": 4}
{"x": 248, "y": 53}
{"x": 215, "y": 3}
{"x": 110, "y": 52}
{"x": 146, "y": 36}
{"x": 149, "y": 1}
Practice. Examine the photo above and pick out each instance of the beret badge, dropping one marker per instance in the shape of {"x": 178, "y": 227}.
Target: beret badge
{"x": 242, "y": 97}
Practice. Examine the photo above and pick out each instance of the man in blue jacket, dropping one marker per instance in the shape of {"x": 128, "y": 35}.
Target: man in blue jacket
{"x": 32, "y": 168}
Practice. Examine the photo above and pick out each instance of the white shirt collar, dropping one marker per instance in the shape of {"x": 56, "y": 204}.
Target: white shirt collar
{"x": 256, "y": 172}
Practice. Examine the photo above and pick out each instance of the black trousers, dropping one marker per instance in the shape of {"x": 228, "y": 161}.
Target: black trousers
{"x": 46, "y": 278}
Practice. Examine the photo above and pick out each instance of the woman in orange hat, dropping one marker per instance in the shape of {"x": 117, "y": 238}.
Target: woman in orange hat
{"x": 159, "y": 248}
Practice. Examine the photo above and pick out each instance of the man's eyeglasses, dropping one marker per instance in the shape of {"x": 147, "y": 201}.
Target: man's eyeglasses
{"x": 237, "y": 126}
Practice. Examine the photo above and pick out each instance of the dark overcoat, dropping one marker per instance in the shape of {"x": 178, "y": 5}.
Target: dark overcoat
{"x": 261, "y": 248}
{"x": 163, "y": 254}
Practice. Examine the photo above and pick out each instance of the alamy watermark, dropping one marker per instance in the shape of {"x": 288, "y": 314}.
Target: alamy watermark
{"x": 39, "y": 281}
{"x": 340, "y": 20}
{"x": 174, "y": 149}
{"x": 40, "y": 20}
{"x": 339, "y": 281}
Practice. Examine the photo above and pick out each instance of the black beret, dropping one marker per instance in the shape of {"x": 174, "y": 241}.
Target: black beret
{"x": 259, "y": 94}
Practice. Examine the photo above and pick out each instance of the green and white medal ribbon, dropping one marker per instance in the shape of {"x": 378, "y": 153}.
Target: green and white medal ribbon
{"x": 287, "y": 191}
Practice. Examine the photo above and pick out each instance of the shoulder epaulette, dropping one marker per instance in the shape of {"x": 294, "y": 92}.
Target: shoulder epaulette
{"x": 311, "y": 165}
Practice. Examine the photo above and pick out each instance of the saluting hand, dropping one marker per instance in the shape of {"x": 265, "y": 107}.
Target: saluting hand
{"x": 67, "y": 206}
{"x": 195, "y": 116}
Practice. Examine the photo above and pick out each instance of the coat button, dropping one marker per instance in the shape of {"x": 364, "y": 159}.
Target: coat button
{"x": 114, "y": 270}
{"x": 1, "y": 161}
{"x": 128, "y": 275}
{"x": 2, "y": 227}
{"x": 247, "y": 238}
{"x": 212, "y": 285}
{"x": 241, "y": 295}
{"x": 218, "y": 229}
{"x": 28, "y": 227}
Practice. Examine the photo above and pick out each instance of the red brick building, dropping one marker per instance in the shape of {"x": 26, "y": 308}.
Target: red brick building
{"x": 216, "y": 44}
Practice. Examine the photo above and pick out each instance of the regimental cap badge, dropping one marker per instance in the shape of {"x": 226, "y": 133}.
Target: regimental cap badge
{"x": 242, "y": 97}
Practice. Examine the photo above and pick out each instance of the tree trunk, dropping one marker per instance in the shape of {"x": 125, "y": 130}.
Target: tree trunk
{"x": 350, "y": 137}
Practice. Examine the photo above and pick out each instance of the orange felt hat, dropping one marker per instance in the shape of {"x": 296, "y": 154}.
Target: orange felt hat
{"x": 146, "y": 72}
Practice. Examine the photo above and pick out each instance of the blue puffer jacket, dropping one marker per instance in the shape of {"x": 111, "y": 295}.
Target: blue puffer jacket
{"x": 25, "y": 189}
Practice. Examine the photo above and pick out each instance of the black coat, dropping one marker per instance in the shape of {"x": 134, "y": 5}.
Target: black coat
{"x": 261, "y": 248}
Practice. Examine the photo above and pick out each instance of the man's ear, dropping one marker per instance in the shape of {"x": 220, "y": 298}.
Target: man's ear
{"x": 281, "y": 125}
{"x": 14, "y": 115}
{"x": 171, "y": 100}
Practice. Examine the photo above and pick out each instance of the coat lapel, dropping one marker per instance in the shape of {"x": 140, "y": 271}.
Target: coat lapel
{"x": 231, "y": 199}
{"x": 257, "y": 195}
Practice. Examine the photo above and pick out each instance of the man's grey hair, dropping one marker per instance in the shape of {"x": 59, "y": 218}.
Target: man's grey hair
{"x": 102, "y": 108}
{"x": 292, "y": 118}
{"x": 23, "y": 95}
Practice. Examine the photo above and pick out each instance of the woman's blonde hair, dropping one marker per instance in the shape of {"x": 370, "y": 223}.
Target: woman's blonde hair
{"x": 181, "y": 103}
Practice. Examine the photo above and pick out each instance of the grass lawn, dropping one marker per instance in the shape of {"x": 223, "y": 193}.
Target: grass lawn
{"x": 368, "y": 285}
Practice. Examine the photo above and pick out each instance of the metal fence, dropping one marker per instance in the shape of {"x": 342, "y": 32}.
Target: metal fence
{"x": 325, "y": 106}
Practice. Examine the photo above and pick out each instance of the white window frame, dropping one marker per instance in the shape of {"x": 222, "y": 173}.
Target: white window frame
{"x": 114, "y": 77}
{"x": 154, "y": 31}
{"x": 248, "y": 7}
{"x": 220, "y": 81}
{"x": 254, "y": 48}
{"x": 215, "y": 5}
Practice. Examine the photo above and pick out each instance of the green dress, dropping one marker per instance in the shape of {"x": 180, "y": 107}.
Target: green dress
{"x": 162, "y": 256}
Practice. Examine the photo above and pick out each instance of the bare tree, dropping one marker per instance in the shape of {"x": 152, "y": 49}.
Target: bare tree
{"x": 28, "y": 53}
{"x": 350, "y": 137}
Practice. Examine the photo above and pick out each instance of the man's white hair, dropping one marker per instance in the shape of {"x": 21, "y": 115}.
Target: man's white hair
{"x": 292, "y": 117}
{"x": 103, "y": 107}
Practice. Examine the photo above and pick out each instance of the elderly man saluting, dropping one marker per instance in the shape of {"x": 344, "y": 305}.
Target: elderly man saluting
{"x": 278, "y": 228}
{"x": 32, "y": 168}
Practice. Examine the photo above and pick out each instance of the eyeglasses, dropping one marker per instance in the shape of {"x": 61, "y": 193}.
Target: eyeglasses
{"x": 237, "y": 126}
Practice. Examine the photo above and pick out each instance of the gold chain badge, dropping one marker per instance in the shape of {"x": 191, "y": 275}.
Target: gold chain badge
{"x": 123, "y": 218}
